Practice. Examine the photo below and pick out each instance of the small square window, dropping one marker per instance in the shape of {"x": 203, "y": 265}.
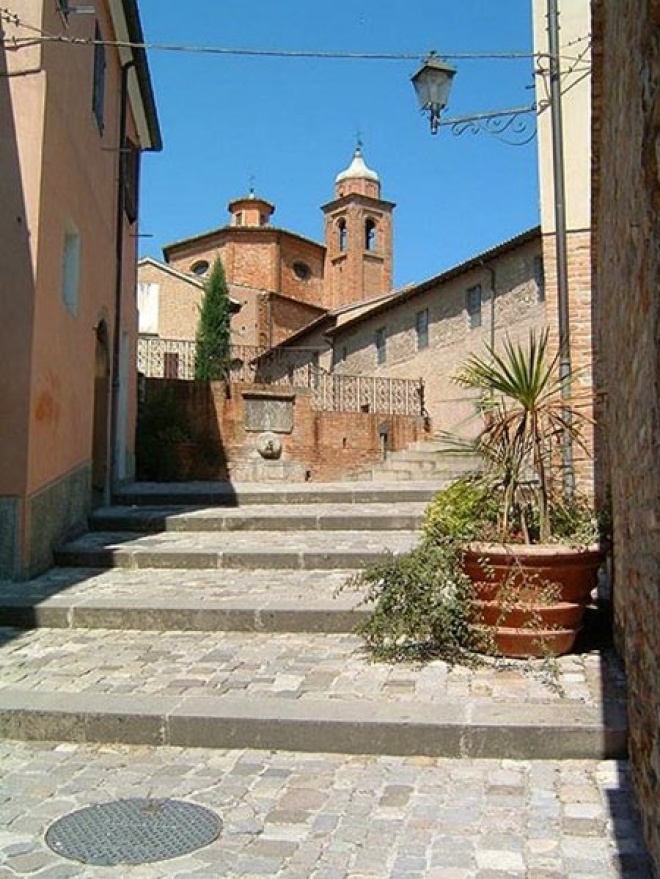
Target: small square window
{"x": 71, "y": 268}
{"x": 473, "y": 303}
{"x": 539, "y": 278}
{"x": 381, "y": 345}
{"x": 422, "y": 329}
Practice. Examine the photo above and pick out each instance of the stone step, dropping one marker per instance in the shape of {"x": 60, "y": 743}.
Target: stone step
{"x": 204, "y": 601}
{"x": 404, "y": 516}
{"x": 303, "y": 692}
{"x": 421, "y": 454}
{"x": 414, "y": 465}
{"x": 403, "y": 473}
{"x": 241, "y": 494}
{"x": 300, "y": 550}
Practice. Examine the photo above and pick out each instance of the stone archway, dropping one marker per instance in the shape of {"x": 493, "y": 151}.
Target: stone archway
{"x": 100, "y": 435}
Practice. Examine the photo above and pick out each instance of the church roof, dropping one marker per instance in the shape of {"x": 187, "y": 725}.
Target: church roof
{"x": 357, "y": 170}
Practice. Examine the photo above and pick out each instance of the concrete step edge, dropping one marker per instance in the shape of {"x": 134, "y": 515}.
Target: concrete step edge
{"x": 187, "y": 494}
{"x": 141, "y": 519}
{"x": 517, "y": 732}
{"x": 322, "y": 618}
{"x": 202, "y": 559}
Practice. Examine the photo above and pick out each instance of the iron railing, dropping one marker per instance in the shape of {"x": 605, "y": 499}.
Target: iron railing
{"x": 293, "y": 368}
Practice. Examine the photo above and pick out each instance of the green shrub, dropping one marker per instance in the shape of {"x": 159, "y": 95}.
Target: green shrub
{"x": 465, "y": 510}
{"x": 422, "y": 605}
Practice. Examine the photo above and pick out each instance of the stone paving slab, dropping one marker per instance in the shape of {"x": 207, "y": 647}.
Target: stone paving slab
{"x": 306, "y": 691}
{"x": 333, "y": 816}
{"x": 238, "y": 494}
{"x": 406, "y": 516}
{"x": 301, "y": 550}
{"x": 284, "y": 601}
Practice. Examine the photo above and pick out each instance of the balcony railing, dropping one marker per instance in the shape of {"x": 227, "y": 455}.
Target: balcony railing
{"x": 292, "y": 368}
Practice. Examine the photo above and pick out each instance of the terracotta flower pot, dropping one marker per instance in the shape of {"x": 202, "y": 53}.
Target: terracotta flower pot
{"x": 530, "y": 600}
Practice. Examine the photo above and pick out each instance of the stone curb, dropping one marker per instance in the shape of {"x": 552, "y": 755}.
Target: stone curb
{"x": 515, "y": 732}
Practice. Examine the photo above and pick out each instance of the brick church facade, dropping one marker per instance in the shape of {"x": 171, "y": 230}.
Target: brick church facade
{"x": 281, "y": 281}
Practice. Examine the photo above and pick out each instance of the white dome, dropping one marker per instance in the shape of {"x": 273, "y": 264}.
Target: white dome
{"x": 357, "y": 170}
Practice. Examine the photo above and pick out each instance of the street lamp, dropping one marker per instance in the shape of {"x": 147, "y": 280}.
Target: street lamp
{"x": 432, "y": 84}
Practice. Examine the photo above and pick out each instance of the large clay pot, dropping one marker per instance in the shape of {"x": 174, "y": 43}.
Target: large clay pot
{"x": 530, "y": 600}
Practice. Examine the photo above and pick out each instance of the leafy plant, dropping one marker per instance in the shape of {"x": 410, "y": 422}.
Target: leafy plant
{"x": 465, "y": 510}
{"x": 422, "y": 605}
{"x": 525, "y": 421}
{"x": 212, "y": 352}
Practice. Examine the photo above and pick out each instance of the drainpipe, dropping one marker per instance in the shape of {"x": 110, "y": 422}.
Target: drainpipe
{"x": 119, "y": 266}
{"x": 561, "y": 256}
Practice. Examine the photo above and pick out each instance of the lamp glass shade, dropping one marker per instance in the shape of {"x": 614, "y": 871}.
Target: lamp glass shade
{"x": 432, "y": 83}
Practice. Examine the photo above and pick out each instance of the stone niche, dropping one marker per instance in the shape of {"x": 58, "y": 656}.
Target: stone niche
{"x": 269, "y": 411}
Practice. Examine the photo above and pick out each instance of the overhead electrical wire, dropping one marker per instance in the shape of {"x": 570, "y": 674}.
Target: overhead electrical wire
{"x": 13, "y": 18}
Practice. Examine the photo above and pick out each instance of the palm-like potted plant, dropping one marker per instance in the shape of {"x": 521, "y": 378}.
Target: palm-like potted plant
{"x": 536, "y": 569}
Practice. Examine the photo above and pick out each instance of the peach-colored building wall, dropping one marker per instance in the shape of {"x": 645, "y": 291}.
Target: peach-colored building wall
{"x": 62, "y": 174}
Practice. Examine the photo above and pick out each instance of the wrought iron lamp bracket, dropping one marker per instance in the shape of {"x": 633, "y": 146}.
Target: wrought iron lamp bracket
{"x": 516, "y": 126}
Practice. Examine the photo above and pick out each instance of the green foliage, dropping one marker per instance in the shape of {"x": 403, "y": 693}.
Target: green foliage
{"x": 422, "y": 605}
{"x": 162, "y": 422}
{"x": 212, "y": 351}
{"x": 465, "y": 510}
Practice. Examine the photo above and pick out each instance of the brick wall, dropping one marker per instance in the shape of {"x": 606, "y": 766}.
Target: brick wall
{"x": 322, "y": 446}
{"x": 627, "y": 310}
{"x": 355, "y": 273}
{"x": 287, "y": 316}
{"x": 516, "y": 309}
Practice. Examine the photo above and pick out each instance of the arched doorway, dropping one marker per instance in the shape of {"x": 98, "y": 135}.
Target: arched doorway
{"x": 100, "y": 437}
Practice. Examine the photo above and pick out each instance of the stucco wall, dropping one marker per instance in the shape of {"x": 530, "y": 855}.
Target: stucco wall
{"x": 627, "y": 317}
{"x": 63, "y": 171}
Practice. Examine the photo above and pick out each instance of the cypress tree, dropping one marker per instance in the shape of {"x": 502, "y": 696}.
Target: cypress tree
{"x": 212, "y": 351}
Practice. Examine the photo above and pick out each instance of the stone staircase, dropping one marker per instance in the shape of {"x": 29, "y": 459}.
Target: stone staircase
{"x": 208, "y": 615}
{"x": 425, "y": 459}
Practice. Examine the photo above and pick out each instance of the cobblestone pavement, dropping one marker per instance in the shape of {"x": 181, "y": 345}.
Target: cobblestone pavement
{"x": 294, "y": 666}
{"x": 318, "y": 816}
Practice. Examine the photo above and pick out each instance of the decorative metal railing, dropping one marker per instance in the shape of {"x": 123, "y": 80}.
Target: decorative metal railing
{"x": 166, "y": 358}
{"x": 293, "y": 368}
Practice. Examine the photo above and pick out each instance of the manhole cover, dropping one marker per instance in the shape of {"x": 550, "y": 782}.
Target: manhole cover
{"x": 135, "y": 831}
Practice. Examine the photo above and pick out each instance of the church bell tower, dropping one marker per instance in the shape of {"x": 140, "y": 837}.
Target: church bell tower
{"x": 358, "y": 237}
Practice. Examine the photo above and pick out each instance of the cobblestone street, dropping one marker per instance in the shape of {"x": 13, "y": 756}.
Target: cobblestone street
{"x": 319, "y": 816}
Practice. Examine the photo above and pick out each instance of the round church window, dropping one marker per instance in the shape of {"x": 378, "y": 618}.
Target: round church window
{"x": 302, "y": 271}
{"x": 200, "y": 268}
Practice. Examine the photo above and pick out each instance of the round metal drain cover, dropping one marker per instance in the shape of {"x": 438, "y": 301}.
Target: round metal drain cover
{"x": 135, "y": 831}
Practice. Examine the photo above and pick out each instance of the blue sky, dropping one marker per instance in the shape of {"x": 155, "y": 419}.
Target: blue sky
{"x": 292, "y": 123}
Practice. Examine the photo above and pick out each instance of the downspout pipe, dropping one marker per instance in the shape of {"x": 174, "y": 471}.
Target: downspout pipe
{"x": 119, "y": 271}
{"x": 559, "y": 185}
